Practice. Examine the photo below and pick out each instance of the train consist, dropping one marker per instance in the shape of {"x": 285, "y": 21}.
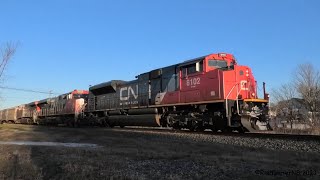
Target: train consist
{"x": 209, "y": 92}
{"x": 63, "y": 109}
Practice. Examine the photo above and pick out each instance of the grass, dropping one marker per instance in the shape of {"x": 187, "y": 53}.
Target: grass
{"x": 132, "y": 155}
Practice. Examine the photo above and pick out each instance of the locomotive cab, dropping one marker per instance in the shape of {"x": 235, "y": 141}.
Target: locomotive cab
{"x": 223, "y": 87}
{"x": 221, "y": 61}
{"x": 243, "y": 109}
{"x": 253, "y": 111}
{"x": 79, "y": 94}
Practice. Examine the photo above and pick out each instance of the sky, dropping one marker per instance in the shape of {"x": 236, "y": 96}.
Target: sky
{"x": 72, "y": 44}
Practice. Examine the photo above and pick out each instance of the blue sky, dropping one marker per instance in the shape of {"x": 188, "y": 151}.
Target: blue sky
{"x": 71, "y": 44}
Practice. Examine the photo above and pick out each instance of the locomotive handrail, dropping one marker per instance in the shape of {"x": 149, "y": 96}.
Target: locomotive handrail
{"x": 238, "y": 101}
{"x": 227, "y": 109}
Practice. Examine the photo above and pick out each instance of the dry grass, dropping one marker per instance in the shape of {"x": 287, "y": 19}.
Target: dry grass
{"x": 131, "y": 155}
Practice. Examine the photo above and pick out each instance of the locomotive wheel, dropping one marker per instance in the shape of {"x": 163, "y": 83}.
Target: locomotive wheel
{"x": 170, "y": 121}
{"x": 76, "y": 124}
{"x": 68, "y": 123}
{"x": 172, "y": 124}
{"x": 29, "y": 121}
{"x": 197, "y": 128}
{"x": 269, "y": 128}
{"x": 176, "y": 128}
{"x": 103, "y": 123}
{"x": 200, "y": 129}
{"x": 227, "y": 130}
{"x": 213, "y": 129}
{"x": 241, "y": 130}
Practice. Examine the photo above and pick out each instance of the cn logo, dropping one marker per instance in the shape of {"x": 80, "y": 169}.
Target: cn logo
{"x": 127, "y": 92}
{"x": 243, "y": 85}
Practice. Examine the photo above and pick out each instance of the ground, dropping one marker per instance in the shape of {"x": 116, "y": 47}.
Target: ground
{"x": 137, "y": 154}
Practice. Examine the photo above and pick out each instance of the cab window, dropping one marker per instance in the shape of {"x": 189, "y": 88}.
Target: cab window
{"x": 192, "y": 68}
{"x": 78, "y": 96}
{"x": 217, "y": 63}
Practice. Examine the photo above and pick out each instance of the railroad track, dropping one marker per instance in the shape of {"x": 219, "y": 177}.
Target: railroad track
{"x": 253, "y": 141}
{"x": 263, "y": 134}
{"x": 267, "y": 135}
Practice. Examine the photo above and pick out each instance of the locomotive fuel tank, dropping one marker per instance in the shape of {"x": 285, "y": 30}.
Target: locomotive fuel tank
{"x": 135, "y": 117}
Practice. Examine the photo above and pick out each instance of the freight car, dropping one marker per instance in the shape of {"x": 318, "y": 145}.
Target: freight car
{"x": 8, "y": 115}
{"x": 209, "y": 92}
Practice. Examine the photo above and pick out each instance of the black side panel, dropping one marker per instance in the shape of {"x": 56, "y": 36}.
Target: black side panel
{"x": 107, "y": 101}
{"x": 143, "y": 89}
{"x": 91, "y": 102}
{"x": 169, "y": 79}
{"x": 106, "y": 87}
{"x": 104, "y": 96}
{"x": 155, "y": 89}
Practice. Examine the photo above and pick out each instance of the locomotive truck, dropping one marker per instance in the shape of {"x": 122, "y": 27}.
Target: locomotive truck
{"x": 208, "y": 92}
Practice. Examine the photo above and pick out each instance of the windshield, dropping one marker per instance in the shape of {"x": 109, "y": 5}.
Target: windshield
{"x": 218, "y": 63}
{"x": 78, "y": 96}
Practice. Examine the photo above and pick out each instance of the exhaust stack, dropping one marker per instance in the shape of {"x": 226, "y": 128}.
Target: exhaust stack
{"x": 265, "y": 95}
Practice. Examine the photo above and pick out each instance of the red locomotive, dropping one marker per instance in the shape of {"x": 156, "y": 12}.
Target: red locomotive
{"x": 209, "y": 92}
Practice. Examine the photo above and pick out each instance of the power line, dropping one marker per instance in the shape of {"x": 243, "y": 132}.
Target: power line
{"x": 28, "y": 90}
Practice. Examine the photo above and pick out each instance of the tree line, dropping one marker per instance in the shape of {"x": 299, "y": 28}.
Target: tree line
{"x": 299, "y": 99}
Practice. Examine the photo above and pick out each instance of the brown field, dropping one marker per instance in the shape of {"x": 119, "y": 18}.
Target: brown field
{"x": 132, "y": 154}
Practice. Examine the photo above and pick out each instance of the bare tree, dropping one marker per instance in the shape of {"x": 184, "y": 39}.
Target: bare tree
{"x": 284, "y": 106}
{"x": 7, "y": 52}
{"x": 299, "y": 100}
{"x": 307, "y": 83}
